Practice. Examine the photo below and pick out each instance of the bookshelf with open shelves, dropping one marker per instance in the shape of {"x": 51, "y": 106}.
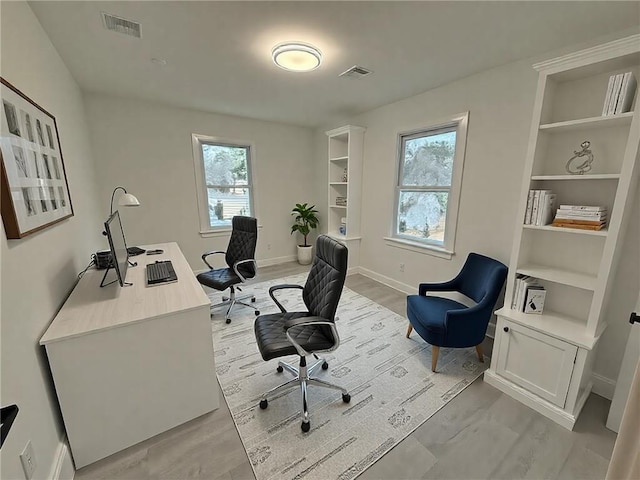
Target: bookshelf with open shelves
{"x": 545, "y": 360}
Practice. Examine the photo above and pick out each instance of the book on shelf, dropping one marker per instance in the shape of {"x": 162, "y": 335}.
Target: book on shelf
{"x": 546, "y": 208}
{"x": 607, "y": 98}
{"x": 627, "y": 92}
{"x": 527, "y": 212}
{"x": 615, "y": 93}
{"x": 521, "y": 287}
{"x": 587, "y": 208}
{"x": 566, "y": 214}
{"x": 534, "y": 302}
{"x": 537, "y": 204}
{"x": 579, "y": 226}
{"x": 579, "y": 221}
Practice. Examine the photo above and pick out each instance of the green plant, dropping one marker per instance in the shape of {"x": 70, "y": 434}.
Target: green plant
{"x": 305, "y": 220}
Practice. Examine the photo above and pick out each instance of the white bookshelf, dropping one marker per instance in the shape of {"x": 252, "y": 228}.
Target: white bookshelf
{"x": 545, "y": 360}
{"x": 345, "y": 154}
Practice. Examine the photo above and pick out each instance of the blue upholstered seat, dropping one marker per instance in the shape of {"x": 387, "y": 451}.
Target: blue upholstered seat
{"x": 443, "y": 322}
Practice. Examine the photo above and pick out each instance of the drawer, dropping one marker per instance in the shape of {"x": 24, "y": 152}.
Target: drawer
{"x": 535, "y": 361}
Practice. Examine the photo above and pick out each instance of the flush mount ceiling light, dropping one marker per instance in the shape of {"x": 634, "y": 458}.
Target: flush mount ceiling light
{"x": 296, "y": 56}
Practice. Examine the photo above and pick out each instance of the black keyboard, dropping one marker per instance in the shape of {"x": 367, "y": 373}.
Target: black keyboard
{"x": 133, "y": 251}
{"x": 161, "y": 272}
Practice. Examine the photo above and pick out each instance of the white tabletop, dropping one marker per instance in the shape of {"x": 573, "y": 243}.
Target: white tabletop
{"x": 91, "y": 308}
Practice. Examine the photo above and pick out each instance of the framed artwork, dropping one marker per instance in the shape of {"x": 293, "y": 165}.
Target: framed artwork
{"x": 34, "y": 187}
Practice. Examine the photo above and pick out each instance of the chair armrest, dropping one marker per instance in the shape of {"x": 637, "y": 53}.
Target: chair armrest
{"x": 464, "y": 321}
{"x": 304, "y": 321}
{"x": 249, "y": 260}
{"x": 275, "y": 288}
{"x": 449, "y": 286}
{"x": 205, "y": 255}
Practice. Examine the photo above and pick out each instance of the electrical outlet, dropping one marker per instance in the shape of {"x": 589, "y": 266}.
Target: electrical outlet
{"x": 268, "y": 246}
{"x": 28, "y": 459}
{"x": 402, "y": 267}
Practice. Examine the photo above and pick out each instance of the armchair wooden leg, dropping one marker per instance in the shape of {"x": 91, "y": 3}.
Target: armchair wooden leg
{"x": 434, "y": 357}
{"x": 480, "y": 353}
{"x": 409, "y": 330}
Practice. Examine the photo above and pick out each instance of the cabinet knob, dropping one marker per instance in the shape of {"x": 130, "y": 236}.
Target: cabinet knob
{"x": 506, "y": 329}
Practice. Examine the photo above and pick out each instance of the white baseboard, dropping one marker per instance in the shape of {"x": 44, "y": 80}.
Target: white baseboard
{"x": 603, "y": 386}
{"x": 62, "y": 468}
{"x": 389, "y": 282}
{"x": 267, "y": 262}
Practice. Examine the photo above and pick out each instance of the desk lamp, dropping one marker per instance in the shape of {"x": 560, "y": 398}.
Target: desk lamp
{"x": 126, "y": 200}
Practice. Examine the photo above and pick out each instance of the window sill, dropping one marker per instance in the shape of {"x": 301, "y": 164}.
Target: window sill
{"x": 419, "y": 247}
{"x": 219, "y": 232}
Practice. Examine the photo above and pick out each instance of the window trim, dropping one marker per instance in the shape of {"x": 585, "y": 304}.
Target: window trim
{"x": 460, "y": 123}
{"x": 197, "y": 140}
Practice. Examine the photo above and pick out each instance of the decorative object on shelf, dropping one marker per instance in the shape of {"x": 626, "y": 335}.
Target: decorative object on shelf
{"x": 581, "y": 161}
{"x": 35, "y": 191}
{"x": 305, "y": 221}
{"x": 345, "y": 175}
{"x": 341, "y": 201}
{"x": 342, "y": 229}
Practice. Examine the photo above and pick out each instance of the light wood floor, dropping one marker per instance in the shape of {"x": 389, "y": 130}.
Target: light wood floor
{"x": 481, "y": 433}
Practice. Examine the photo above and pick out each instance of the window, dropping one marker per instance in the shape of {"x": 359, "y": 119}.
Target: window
{"x": 223, "y": 174}
{"x": 428, "y": 189}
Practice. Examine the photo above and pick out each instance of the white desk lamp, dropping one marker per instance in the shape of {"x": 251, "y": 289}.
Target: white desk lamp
{"x": 126, "y": 200}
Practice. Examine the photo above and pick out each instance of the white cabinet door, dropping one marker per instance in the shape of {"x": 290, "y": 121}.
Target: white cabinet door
{"x": 540, "y": 363}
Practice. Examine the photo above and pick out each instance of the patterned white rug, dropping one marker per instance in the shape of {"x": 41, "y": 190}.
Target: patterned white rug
{"x": 393, "y": 390}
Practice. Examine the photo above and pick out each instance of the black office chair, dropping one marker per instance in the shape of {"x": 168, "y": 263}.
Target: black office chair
{"x": 241, "y": 265}
{"x": 305, "y": 333}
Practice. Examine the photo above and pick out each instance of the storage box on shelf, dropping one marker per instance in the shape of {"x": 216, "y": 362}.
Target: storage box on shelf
{"x": 345, "y": 187}
{"x": 545, "y": 360}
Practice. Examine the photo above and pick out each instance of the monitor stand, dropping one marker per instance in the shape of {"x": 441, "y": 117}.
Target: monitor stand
{"x": 104, "y": 277}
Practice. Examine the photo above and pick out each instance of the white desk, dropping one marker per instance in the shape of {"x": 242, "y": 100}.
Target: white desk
{"x": 131, "y": 362}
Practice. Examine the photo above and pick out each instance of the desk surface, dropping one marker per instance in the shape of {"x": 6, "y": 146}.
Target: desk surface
{"x": 90, "y": 309}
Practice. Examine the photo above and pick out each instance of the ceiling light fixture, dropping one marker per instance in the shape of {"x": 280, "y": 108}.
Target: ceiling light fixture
{"x": 296, "y": 56}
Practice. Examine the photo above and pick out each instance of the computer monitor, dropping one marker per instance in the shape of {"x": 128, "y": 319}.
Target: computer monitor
{"x": 118, "y": 246}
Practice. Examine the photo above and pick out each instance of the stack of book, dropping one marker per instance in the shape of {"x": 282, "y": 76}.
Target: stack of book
{"x": 583, "y": 217}
{"x": 620, "y": 93}
{"x": 341, "y": 201}
{"x": 540, "y": 207}
{"x": 528, "y": 295}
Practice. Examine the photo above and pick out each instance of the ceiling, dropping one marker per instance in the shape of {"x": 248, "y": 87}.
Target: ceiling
{"x": 218, "y": 53}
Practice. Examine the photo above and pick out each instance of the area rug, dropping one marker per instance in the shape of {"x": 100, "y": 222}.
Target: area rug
{"x": 393, "y": 390}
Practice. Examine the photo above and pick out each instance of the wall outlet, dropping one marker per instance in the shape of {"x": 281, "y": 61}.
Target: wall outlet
{"x": 28, "y": 459}
{"x": 268, "y": 246}
{"x": 402, "y": 267}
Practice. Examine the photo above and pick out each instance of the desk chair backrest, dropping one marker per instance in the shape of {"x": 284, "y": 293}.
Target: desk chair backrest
{"x": 323, "y": 288}
{"x": 481, "y": 276}
{"x": 242, "y": 244}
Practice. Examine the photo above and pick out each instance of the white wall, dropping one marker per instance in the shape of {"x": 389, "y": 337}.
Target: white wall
{"x": 500, "y": 102}
{"x": 146, "y": 147}
{"x": 39, "y": 271}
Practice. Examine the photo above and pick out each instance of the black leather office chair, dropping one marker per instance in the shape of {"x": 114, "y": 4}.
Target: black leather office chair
{"x": 241, "y": 265}
{"x": 305, "y": 333}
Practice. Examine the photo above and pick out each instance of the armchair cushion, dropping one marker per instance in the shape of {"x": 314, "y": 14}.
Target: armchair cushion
{"x": 219, "y": 279}
{"x": 272, "y": 339}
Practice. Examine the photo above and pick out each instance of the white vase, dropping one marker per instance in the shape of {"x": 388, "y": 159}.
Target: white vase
{"x": 305, "y": 254}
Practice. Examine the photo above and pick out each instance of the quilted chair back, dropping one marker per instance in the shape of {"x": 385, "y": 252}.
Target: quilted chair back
{"x": 242, "y": 244}
{"x": 322, "y": 291}
{"x": 481, "y": 276}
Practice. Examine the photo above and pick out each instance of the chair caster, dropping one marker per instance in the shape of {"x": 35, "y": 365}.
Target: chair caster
{"x": 346, "y": 398}
{"x": 325, "y": 365}
{"x": 305, "y": 426}
{"x": 224, "y": 299}
{"x": 257, "y": 312}
{"x": 264, "y": 403}
{"x": 280, "y": 369}
{"x": 228, "y": 320}
{"x": 253, "y": 300}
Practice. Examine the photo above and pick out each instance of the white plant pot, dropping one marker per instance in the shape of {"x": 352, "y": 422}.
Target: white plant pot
{"x": 305, "y": 254}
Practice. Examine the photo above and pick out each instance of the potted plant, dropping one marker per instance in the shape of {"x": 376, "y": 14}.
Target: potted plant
{"x": 305, "y": 221}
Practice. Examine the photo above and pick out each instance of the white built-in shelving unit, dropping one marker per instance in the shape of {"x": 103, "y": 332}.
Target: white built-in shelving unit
{"x": 545, "y": 361}
{"x": 345, "y": 156}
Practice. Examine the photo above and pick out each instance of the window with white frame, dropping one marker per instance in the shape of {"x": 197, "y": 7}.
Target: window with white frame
{"x": 223, "y": 174}
{"x": 430, "y": 163}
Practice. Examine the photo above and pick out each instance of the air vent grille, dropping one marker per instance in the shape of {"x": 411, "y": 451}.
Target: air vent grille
{"x": 356, "y": 72}
{"x": 121, "y": 25}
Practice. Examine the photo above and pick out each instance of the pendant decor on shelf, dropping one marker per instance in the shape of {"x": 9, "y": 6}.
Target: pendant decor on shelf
{"x": 345, "y": 175}
{"x": 581, "y": 161}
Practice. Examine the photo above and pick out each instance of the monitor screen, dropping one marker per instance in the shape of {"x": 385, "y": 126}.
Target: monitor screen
{"x": 113, "y": 228}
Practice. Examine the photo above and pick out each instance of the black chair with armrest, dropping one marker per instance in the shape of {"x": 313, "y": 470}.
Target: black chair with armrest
{"x": 241, "y": 265}
{"x": 306, "y": 333}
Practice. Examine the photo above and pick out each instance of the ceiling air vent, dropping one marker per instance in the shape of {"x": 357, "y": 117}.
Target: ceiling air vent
{"x": 356, "y": 72}
{"x": 121, "y": 25}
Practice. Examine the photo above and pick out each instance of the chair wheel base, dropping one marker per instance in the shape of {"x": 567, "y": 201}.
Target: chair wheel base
{"x": 264, "y": 403}
{"x": 325, "y": 365}
{"x": 257, "y": 312}
{"x": 305, "y": 426}
{"x": 253, "y": 299}
{"x": 346, "y": 398}
{"x": 228, "y": 320}
{"x": 280, "y": 369}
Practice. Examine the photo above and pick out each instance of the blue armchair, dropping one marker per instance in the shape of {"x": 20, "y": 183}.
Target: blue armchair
{"x": 443, "y": 322}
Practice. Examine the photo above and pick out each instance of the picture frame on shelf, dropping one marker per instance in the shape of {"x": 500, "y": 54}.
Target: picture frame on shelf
{"x": 34, "y": 185}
